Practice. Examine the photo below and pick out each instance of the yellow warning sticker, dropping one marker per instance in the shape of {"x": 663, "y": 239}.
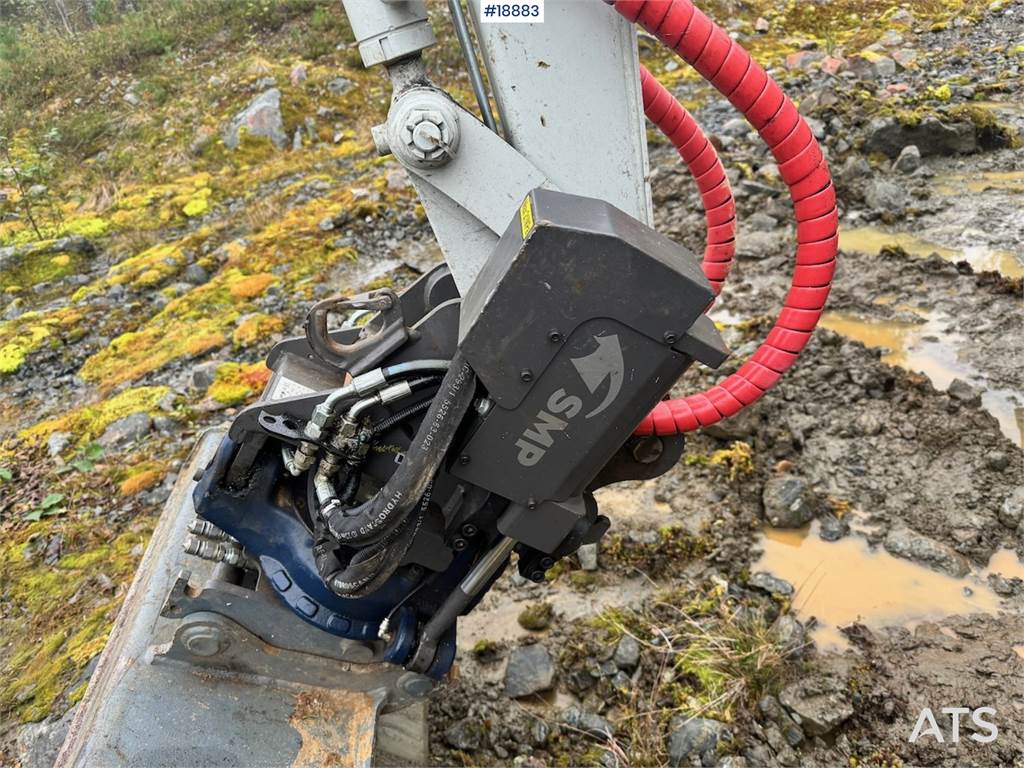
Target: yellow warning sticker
{"x": 526, "y": 217}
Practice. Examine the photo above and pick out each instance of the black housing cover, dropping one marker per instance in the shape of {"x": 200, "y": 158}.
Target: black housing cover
{"x": 580, "y": 321}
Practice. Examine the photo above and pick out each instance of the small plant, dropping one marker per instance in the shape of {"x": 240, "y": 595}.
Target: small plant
{"x": 86, "y": 458}
{"x": 48, "y": 507}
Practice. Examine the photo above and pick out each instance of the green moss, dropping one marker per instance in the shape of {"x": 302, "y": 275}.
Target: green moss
{"x": 88, "y": 422}
{"x": 536, "y": 617}
{"x": 991, "y": 133}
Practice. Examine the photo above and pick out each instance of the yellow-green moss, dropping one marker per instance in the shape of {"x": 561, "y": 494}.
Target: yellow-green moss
{"x": 234, "y": 383}
{"x": 88, "y": 422}
{"x": 256, "y": 328}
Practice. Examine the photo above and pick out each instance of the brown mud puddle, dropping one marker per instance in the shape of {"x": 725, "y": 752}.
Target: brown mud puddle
{"x": 932, "y": 349}
{"x": 958, "y": 183}
{"x": 847, "y": 581}
{"x": 981, "y": 257}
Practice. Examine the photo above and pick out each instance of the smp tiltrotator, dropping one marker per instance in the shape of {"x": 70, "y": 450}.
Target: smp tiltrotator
{"x": 400, "y": 460}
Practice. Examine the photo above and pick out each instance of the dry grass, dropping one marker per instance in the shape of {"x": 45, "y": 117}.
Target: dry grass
{"x": 702, "y": 655}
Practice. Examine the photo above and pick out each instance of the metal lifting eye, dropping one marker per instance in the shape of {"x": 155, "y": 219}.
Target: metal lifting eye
{"x": 373, "y": 342}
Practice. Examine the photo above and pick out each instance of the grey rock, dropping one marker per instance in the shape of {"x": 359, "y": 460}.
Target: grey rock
{"x": 587, "y": 555}
{"x": 540, "y": 731}
{"x": 736, "y": 127}
{"x": 204, "y": 374}
{"x": 759, "y": 245}
{"x": 819, "y": 705}
{"x": 57, "y": 442}
{"x": 771, "y": 584}
{"x": 788, "y": 502}
{"x": 195, "y": 275}
{"x": 466, "y": 734}
{"x": 695, "y": 736}
{"x": 132, "y": 98}
{"x": 931, "y": 136}
{"x": 831, "y": 528}
{"x": 339, "y": 86}
{"x": 298, "y": 74}
{"x": 627, "y": 653}
{"x": 817, "y": 127}
{"x": 261, "y": 118}
{"x": 621, "y": 682}
{"x": 884, "y": 195}
{"x": 1011, "y": 513}
{"x": 738, "y": 427}
{"x": 39, "y": 743}
{"x": 127, "y": 429}
{"x": 997, "y": 460}
{"x": 964, "y": 392}
{"x": 264, "y": 83}
{"x": 530, "y": 670}
{"x": 909, "y": 159}
{"x": 903, "y": 542}
{"x": 891, "y": 39}
{"x": 588, "y": 722}
{"x": 855, "y": 169}
{"x": 790, "y": 634}
{"x": 1006, "y": 587}
{"x": 872, "y": 67}
{"x": 37, "y": 190}
{"x": 759, "y": 221}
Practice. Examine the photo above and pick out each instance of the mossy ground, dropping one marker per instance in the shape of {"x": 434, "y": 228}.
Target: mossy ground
{"x": 155, "y": 190}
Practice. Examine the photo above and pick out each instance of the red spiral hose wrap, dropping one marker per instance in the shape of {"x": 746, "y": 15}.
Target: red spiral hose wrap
{"x": 727, "y": 66}
{"x": 700, "y": 157}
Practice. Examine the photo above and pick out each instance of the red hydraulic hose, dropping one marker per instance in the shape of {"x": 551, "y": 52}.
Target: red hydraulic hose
{"x": 699, "y": 154}
{"x": 727, "y": 66}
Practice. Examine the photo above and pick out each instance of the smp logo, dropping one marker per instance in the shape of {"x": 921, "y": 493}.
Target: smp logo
{"x": 603, "y": 363}
{"x": 928, "y": 726}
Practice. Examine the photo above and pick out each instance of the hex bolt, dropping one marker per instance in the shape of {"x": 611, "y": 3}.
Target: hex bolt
{"x": 537, "y": 576}
{"x": 670, "y": 338}
{"x": 469, "y": 530}
{"x": 483, "y": 406}
{"x": 546, "y": 562}
{"x": 464, "y": 459}
{"x": 415, "y": 685}
{"x": 526, "y": 375}
{"x": 554, "y": 337}
{"x": 204, "y": 640}
{"x": 459, "y": 544}
{"x": 422, "y": 128}
{"x": 648, "y": 450}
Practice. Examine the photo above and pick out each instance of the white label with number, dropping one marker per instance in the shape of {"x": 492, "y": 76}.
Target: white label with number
{"x": 512, "y": 13}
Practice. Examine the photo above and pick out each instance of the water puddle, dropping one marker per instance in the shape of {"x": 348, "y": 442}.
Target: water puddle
{"x": 981, "y": 257}
{"x": 846, "y": 581}
{"x": 954, "y": 183}
{"x": 1006, "y": 563}
{"x": 931, "y": 349}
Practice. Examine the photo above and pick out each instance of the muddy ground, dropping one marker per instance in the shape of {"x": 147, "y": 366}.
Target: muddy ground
{"x": 810, "y": 577}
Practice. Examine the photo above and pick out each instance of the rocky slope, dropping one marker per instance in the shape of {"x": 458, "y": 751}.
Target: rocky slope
{"x": 147, "y": 272}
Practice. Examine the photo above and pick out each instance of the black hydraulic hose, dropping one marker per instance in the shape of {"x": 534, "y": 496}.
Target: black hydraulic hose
{"x": 375, "y": 518}
{"x": 384, "y": 425}
{"x": 369, "y": 568}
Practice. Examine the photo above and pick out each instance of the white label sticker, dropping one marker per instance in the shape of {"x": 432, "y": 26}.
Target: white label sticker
{"x": 512, "y": 13}
{"x": 285, "y": 387}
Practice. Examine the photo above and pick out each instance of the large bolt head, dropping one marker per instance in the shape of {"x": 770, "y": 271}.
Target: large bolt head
{"x": 204, "y": 640}
{"x": 423, "y": 128}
